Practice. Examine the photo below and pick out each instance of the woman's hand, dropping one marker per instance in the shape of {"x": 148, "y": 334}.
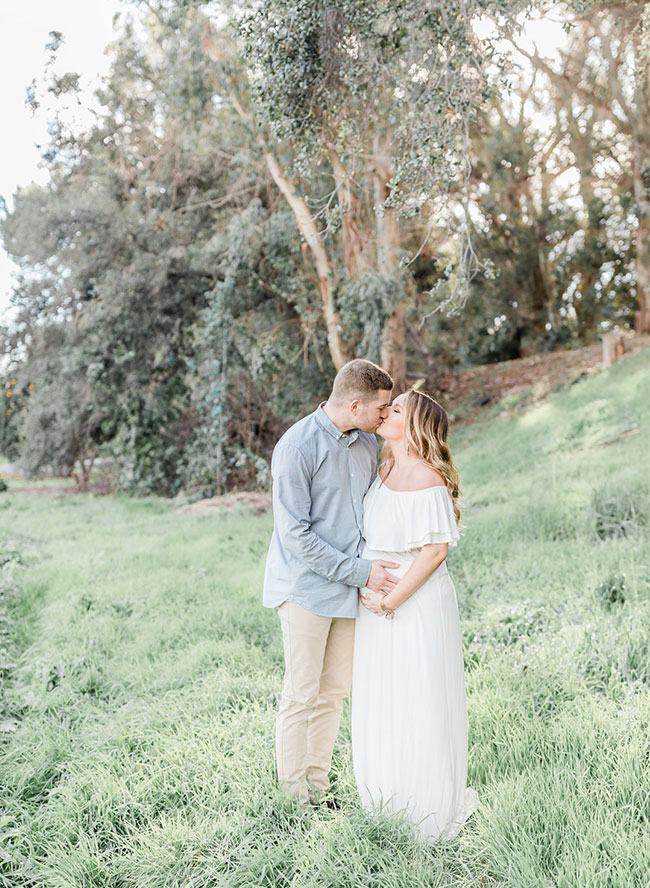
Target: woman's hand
{"x": 371, "y": 602}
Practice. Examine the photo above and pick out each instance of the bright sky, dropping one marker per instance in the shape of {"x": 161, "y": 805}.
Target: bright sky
{"x": 87, "y": 29}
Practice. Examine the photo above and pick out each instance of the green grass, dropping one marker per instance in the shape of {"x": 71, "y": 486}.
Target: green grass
{"x": 146, "y": 676}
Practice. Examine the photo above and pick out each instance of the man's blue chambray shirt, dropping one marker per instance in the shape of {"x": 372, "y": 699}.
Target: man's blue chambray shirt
{"x": 320, "y": 477}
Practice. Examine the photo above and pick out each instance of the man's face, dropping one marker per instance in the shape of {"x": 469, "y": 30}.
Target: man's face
{"x": 369, "y": 415}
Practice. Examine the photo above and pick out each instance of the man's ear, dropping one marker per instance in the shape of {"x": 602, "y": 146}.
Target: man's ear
{"x": 354, "y": 405}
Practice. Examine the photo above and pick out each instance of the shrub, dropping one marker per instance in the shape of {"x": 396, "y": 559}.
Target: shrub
{"x": 619, "y": 513}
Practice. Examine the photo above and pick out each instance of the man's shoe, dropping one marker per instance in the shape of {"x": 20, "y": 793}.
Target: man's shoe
{"x": 333, "y": 804}
{"x": 329, "y": 803}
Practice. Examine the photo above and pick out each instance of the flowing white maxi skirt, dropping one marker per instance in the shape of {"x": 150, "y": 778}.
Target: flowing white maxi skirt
{"x": 409, "y": 712}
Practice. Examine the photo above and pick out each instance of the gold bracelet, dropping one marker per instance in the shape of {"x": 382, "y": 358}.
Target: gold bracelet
{"x": 389, "y": 611}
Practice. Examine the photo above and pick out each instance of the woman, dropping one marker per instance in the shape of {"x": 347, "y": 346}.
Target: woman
{"x": 409, "y": 717}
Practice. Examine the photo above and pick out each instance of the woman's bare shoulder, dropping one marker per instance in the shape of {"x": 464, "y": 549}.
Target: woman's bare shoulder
{"x": 427, "y": 476}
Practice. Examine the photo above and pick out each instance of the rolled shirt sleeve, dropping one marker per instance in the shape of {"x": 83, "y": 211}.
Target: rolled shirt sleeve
{"x": 292, "y": 500}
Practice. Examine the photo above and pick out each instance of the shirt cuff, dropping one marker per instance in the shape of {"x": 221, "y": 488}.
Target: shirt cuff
{"x": 363, "y": 572}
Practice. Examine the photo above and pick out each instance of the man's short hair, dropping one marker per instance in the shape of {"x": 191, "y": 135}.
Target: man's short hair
{"x": 360, "y": 379}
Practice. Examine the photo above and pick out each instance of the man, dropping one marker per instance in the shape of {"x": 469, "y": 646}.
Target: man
{"x": 322, "y": 467}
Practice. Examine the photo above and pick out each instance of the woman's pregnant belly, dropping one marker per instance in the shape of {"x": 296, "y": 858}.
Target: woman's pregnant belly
{"x": 403, "y": 559}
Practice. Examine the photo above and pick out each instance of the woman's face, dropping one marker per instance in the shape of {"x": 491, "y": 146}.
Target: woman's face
{"x": 392, "y": 428}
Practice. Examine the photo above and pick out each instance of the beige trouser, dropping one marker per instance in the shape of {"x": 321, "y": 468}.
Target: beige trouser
{"x": 318, "y": 660}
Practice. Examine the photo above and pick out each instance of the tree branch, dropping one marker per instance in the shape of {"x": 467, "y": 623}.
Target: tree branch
{"x": 565, "y": 81}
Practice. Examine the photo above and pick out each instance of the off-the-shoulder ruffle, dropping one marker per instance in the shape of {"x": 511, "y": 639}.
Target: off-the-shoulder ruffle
{"x": 398, "y": 521}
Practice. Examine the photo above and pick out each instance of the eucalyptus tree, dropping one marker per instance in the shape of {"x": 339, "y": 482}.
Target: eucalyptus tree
{"x": 558, "y": 230}
{"x": 362, "y": 113}
{"x": 602, "y": 83}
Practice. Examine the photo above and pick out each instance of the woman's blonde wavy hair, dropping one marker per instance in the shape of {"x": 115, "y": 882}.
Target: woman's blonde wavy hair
{"x": 426, "y": 426}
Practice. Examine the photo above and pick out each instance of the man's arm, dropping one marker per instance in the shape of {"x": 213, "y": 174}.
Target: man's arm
{"x": 292, "y": 516}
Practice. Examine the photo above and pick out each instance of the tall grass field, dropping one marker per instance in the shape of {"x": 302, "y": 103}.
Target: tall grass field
{"x": 140, "y": 676}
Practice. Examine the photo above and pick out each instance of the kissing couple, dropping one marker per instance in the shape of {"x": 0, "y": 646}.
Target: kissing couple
{"x": 356, "y": 567}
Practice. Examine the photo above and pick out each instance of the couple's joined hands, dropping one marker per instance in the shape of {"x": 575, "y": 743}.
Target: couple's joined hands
{"x": 380, "y": 582}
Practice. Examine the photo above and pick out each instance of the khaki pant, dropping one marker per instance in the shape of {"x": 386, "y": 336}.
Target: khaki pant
{"x": 318, "y": 660}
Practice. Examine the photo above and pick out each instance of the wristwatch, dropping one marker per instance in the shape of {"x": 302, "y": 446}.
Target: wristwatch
{"x": 390, "y": 613}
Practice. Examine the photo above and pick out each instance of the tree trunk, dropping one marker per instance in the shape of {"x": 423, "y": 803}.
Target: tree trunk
{"x": 324, "y": 267}
{"x": 355, "y": 248}
{"x": 641, "y": 164}
{"x": 642, "y": 261}
{"x": 393, "y": 349}
{"x": 393, "y": 341}
{"x": 82, "y": 478}
{"x": 613, "y": 348}
{"x": 642, "y": 318}
{"x": 543, "y": 283}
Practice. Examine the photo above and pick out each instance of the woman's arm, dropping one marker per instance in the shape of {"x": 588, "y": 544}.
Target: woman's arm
{"x": 426, "y": 562}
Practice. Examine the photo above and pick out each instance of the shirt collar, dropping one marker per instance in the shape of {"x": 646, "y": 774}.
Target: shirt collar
{"x": 326, "y": 423}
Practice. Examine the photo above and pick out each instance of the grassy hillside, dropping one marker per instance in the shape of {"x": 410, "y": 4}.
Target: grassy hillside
{"x": 141, "y": 678}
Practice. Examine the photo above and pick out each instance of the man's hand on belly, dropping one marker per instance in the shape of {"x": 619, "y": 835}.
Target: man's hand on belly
{"x": 380, "y": 580}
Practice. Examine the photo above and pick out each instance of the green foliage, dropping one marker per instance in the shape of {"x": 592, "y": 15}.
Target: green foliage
{"x": 225, "y": 300}
{"x": 60, "y": 426}
{"x": 365, "y": 304}
{"x": 248, "y": 339}
{"x": 555, "y": 276}
{"x": 395, "y": 82}
{"x": 15, "y": 398}
{"x": 414, "y": 69}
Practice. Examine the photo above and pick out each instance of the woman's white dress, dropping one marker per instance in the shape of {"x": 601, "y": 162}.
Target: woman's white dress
{"x": 409, "y": 714}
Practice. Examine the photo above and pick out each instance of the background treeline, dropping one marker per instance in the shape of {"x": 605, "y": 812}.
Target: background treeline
{"x": 260, "y": 199}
